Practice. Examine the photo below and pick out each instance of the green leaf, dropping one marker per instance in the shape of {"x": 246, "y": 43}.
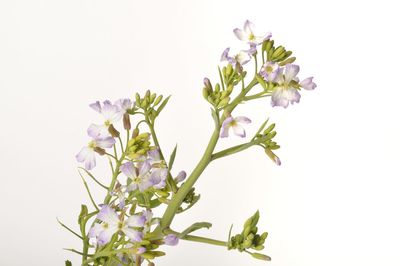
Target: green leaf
{"x": 194, "y": 227}
{"x": 68, "y": 263}
{"x": 172, "y": 158}
{"x": 162, "y": 105}
{"x": 261, "y": 81}
{"x": 83, "y": 213}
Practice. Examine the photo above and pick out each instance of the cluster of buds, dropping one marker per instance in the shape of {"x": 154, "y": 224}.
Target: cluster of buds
{"x": 138, "y": 145}
{"x": 249, "y": 239}
{"x": 264, "y": 137}
{"x": 215, "y": 95}
{"x": 278, "y": 54}
{"x": 151, "y": 103}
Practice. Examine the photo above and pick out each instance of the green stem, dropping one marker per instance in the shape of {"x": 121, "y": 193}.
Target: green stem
{"x": 205, "y": 240}
{"x": 178, "y": 198}
{"x": 235, "y": 149}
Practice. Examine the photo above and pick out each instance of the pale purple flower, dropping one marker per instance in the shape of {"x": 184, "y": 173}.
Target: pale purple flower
{"x": 87, "y": 154}
{"x": 112, "y": 224}
{"x": 285, "y": 93}
{"x": 234, "y": 123}
{"x": 241, "y": 58}
{"x": 248, "y": 35}
{"x": 270, "y": 71}
{"x": 171, "y": 240}
{"x": 124, "y": 104}
{"x": 154, "y": 157}
{"x": 111, "y": 113}
{"x": 139, "y": 176}
{"x": 158, "y": 177}
{"x": 308, "y": 84}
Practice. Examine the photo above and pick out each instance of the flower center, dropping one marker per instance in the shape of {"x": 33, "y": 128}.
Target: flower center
{"x": 92, "y": 144}
{"x": 269, "y": 69}
{"x": 105, "y": 225}
{"x": 136, "y": 180}
{"x": 107, "y": 123}
{"x": 252, "y": 37}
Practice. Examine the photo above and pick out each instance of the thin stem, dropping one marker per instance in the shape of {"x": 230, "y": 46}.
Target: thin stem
{"x": 205, "y": 240}
{"x": 95, "y": 180}
{"x": 88, "y": 191}
{"x": 69, "y": 229}
{"x": 235, "y": 149}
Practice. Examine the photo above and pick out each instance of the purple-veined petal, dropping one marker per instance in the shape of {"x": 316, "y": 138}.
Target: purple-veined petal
{"x": 124, "y": 104}
{"x": 131, "y": 187}
{"x": 157, "y": 178}
{"x": 225, "y": 55}
{"x": 171, "y": 240}
{"x": 291, "y": 72}
{"x": 97, "y": 131}
{"x": 242, "y": 119}
{"x": 240, "y": 34}
{"x": 87, "y": 155}
{"x": 248, "y": 27}
{"x": 96, "y": 106}
{"x": 105, "y": 143}
{"x": 145, "y": 184}
{"x": 106, "y": 235}
{"x": 111, "y": 113}
{"x": 282, "y": 96}
{"x": 239, "y": 130}
{"x": 308, "y": 84}
{"x": 134, "y": 236}
{"x": 141, "y": 250}
{"x": 144, "y": 168}
{"x": 108, "y": 215}
{"x": 136, "y": 220}
{"x": 128, "y": 169}
{"x": 242, "y": 57}
{"x": 95, "y": 230}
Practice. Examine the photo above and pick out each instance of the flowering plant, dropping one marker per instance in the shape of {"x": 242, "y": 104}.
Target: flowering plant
{"x": 123, "y": 229}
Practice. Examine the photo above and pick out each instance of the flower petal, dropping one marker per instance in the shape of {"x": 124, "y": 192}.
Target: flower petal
{"x": 240, "y": 34}
{"x": 242, "y": 119}
{"x": 225, "y": 55}
{"x": 136, "y": 221}
{"x": 108, "y": 215}
{"x": 239, "y": 130}
{"x": 96, "y": 106}
{"x": 248, "y": 27}
{"x": 106, "y": 235}
{"x": 95, "y": 230}
{"x": 97, "y": 131}
{"x": 133, "y": 235}
{"x": 128, "y": 169}
{"x": 291, "y": 72}
{"x": 105, "y": 143}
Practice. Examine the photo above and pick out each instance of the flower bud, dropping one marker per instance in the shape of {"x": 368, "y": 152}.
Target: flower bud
{"x": 207, "y": 83}
{"x": 180, "y": 177}
{"x": 158, "y": 100}
{"x": 288, "y": 61}
{"x": 260, "y": 256}
{"x": 272, "y": 156}
{"x": 135, "y": 133}
{"x": 151, "y": 264}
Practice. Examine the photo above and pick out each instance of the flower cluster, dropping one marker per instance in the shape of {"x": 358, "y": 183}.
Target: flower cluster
{"x": 124, "y": 228}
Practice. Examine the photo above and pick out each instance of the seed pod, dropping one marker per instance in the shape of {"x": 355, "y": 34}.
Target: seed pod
{"x": 114, "y": 133}
{"x": 99, "y": 150}
{"x": 126, "y": 121}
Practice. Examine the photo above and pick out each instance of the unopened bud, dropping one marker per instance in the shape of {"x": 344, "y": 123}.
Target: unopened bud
{"x": 288, "y": 61}
{"x": 260, "y": 256}
{"x": 158, "y": 100}
{"x": 272, "y": 156}
{"x": 135, "y": 133}
{"x": 151, "y": 264}
{"x": 207, "y": 83}
{"x": 180, "y": 177}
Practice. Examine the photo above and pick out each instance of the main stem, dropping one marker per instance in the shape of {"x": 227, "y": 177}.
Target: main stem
{"x": 178, "y": 198}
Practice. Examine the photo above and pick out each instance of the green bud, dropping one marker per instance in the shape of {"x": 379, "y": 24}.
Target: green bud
{"x": 246, "y": 231}
{"x": 264, "y": 235}
{"x": 158, "y": 100}
{"x": 285, "y": 55}
{"x": 260, "y": 256}
{"x": 272, "y": 135}
{"x": 259, "y": 247}
{"x": 229, "y": 89}
{"x": 217, "y": 88}
{"x": 152, "y": 97}
{"x": 247, "y": 244}
{"x": 278, "y": 51}
{"x": 206, "y": 93}
{"x": 269, "y": 129}
{"x": 144, "y": 103}
{"x": 269, "y": 44}
{"x": 250, "y": 236}
{"x": 137, "y": 98}
{"x": 229, "y": 70}
{"x": 147, "y": 95}
{"x": 288, "y": 61}
{"x": 223, "y": 102}
{"x": 135, "y": 132}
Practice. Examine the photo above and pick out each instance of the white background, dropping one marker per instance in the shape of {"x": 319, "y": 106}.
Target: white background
{"x": 335, "y": 199}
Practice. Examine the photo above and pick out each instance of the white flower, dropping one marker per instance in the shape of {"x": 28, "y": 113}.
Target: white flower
{"x": 285, "y": 93}
{"x": 234, "y": 123}
{"x": 247, "y": 34}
